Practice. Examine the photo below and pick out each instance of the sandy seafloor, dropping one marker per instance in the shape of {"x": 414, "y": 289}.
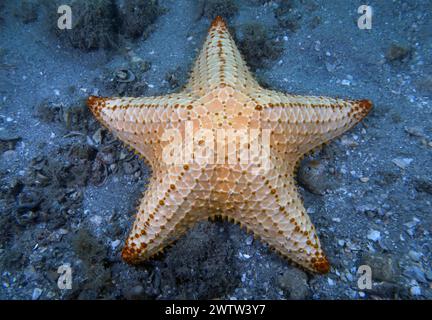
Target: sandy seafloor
{"x": 375, "y": 207}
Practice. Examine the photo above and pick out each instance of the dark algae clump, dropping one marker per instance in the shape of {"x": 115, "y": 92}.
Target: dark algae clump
{"x": 74, "y": 116}
{"x": 292, "y": 15}
{"x": 398, "y": 53}
{"x": 138, "y": 15}
{"x": 98, "y": 275}
{"x": 213, "y": 8}
{"x": 195, "y": 265}
{"x": 287, "y": 15}
{"x": 27, "y": 11}
{"x": 256, "y": 45}
{"x": 94, "y": 24}
{"x": 101, "y": 23}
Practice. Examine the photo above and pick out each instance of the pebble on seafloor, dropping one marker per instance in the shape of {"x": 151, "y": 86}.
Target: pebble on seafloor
{"x": 314, "y": 177}
{"x": 294, "y": 284}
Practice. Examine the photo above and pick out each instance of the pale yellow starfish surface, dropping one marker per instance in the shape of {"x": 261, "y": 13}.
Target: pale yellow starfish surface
{"x": 222, "y": 96}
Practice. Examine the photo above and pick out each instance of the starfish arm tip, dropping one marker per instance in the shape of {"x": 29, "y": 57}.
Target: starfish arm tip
{"x": 129, "y": 256}
{"x": 362, "y": 108}
{"x": 95, "y": 104}
{"x": 92, "y": 101}
{"x": 322, "y": 266}
{"x": 218, "y": 21}
{"x": 366, "y": 105}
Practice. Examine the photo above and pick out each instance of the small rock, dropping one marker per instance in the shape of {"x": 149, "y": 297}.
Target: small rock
{"x": 345, "y": 141}
{"x": 402, "y": 163}
{"x": 331, "y": 67}
{"x": 124, "y": 75}
{"x": 397, "y": 52}
{"x": 414, "y": 131}
{"x": 313, "y": 177}
{"x": 115, "y": 244}
{"x": 374, "y": 235}
{"x": 310, "y": 210}
{"x": 9, "y": 155}
{"x": 8, "y": 141}
{"x": 130, "y": 167}
{"x": 27, "y": 217}
{"x": 63, "y": 231}
{"x": 411, "y": 226}
{"x": 15, "y": 187}
{"x": 173, "y": 77}
{"x": 386, "y": 178}
{"x": 244, "y": 256}
{"x": 415, "y": 291}
{"x": 97, "y": 136}
{"x": 123, "y": 155}
{"x": 135, "y": 293}
{"x": 37, "y": 292}
{"x": 414, "y": 255}
{"x": 414, "y": 272}
{"x": 82, "y": 152}
{"x": 346, "y": 82}
{"x": 383, "y": 266}
{"x": 364, "y": 179}
{"x": 368, "y": 209}
{"x": 385, "y": 290}
{"x": 96, "y": 220}
{"x": 423, "y": 185}
{"x": 428, "y": 275}
{"x": 294, "y": 283}
{"x": 249, "y": 240}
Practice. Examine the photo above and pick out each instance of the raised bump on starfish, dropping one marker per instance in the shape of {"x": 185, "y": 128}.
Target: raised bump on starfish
{"x": 222, "y": 94}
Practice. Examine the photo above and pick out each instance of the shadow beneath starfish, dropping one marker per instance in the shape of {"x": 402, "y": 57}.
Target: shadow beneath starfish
{"x": 200, "y": 265}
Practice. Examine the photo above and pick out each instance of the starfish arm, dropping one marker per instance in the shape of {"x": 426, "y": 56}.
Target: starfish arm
{"x": 302, "y": 123}
{"x": 219, "y": 63}
{"x": 140, "y": 122}
{"x": 165, "y": 213}
{"x": 279, "y": 219}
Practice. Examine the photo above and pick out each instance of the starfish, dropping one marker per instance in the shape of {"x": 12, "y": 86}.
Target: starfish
{"x": 222, "y": 95}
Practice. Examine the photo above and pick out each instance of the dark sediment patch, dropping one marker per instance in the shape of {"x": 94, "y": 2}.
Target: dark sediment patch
{"x": 213, "y": 8}
{"x": 73, "y": 117}
{"x": 257, "y": 45}
{"x": 102, "y": 23}
{"x": 293, "y": 15}
{"x": 197, "y": 265}
{"x": 137, "y": 17}
{"x": 97, "y": 282}
{"x": 26, "y": 11}
{"x": 397, "y": 53}
{"x": 94, "y": 23}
